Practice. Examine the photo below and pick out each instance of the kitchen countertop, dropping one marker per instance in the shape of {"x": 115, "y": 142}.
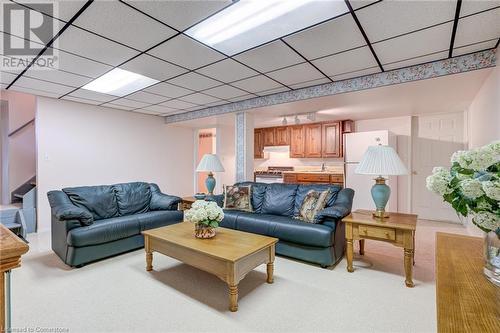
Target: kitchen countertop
{"x": 328, "y": 172}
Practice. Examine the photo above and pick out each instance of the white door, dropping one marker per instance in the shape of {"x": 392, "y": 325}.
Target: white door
{"x": 437, "y": 137}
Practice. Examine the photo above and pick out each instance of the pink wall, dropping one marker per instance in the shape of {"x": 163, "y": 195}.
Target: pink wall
{"x": 205, "y": 146}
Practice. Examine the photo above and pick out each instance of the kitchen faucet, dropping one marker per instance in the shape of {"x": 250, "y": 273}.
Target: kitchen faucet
{"x": 323, "y": 167}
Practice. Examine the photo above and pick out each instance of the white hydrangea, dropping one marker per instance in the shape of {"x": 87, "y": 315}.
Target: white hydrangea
{"x": 439, "y": 181}
{"x": 471, "y": 188}
{"x": 487, "y": 220}
{"x": 202, "y": 211}
{"x": 492, "y": 189}
{"x": 478, "y": 159}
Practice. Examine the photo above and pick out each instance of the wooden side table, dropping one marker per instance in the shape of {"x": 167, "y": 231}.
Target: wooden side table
{"x": 186, "y": 203}
{"x": 398, "y": 229}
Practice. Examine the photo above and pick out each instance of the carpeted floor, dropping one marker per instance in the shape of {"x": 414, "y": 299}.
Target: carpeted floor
{"x": 118, "y": 294}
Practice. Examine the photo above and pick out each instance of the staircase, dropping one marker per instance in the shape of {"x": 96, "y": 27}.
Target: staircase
{"x": 20, "y": 216}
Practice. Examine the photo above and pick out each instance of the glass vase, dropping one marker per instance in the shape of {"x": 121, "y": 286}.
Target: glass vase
{"x": 492, "y": 256}
{"x": 203, "y": 231}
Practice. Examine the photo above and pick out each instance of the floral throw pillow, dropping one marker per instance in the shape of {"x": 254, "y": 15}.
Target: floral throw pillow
{"x": 314, "y": 201}
{"x": 238, "y": 198}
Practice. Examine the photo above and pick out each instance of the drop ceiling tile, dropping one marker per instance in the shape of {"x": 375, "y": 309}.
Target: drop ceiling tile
{"x": 216, "y": 103}
{"x": 186, "y": 52}
{"x": 180, "y": 14}
{"x": 129, "y": 103}
{"x": 152, "y": 67}
{"x": 355, "y": 74}
{"x": 194, "y": 81}
{"x": 225, "y": 92}
{"x": 346, "y": 61}
{"x": 87, "y": 94}
{"x": 414, "y": 45}
{"x": 123, "y": 24}
{"x": 33, "y": 91}
{"x": 79, "y": 65}
{"x": 152, "y": 113}
{"x": 199, "y": 98}
{"x": 417, "y": 60}
{"x": 296, "y": 74}
{"x": 356, "y": 4}
{"x": 177, "y": 104}
{"x": 328, "y": 38}
{"x": 227, "y": 71}
{"x": 142, "y": 96}
{"x": 474, "y": 47}
{"x": 158, "y": 108}
{"x": 78, "y": 41}
{"x": 117, "y": 106}
{"x": 272, "y": 91}
{"x": 310, "y": 83}
{"x": 13, "y": 65}
{"x": 167, "y": 90}
{"x": 52, "y": 88}
{"x": 63, "y": 10}
{"x": 256, "y": 84}
{"x": 391, "y": 18}
{"x": 269, "y": 57}
{"x": 7, "y": 78}
{"x": 473, "y": 6}
{"x": 81, "y": 100}
{"x": 478, "y": 28}
{"x": 52, "y": 75}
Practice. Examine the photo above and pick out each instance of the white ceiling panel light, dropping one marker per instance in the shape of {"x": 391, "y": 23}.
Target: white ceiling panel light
{"x": 119, "y": 82}
{"x": 249, "y": 23}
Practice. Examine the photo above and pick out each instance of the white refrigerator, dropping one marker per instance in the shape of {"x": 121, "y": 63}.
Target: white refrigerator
{"x": 355, "y": 145}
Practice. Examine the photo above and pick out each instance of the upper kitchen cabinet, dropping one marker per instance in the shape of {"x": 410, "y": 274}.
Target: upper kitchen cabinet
{"x": 297, "y": 141}
{"x": 258, "y": 146}
{"x": 312, "y": 141}
{"x": 332, "y": 137}
{"x": 282, "y": 136}
{"x": 269, "y": 136}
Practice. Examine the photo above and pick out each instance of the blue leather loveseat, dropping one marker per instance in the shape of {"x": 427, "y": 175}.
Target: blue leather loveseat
{"x": 274, "y": 208}
{"x": 94, "y": 222}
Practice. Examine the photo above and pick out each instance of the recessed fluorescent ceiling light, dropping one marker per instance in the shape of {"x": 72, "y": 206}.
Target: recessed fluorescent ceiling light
{"x": 249, "y": 23}
{"x": 119, "y": 82}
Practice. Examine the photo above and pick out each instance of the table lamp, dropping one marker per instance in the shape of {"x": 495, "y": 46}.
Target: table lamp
{"x": 210, "y": 163}
{"x": 381, "y": 160}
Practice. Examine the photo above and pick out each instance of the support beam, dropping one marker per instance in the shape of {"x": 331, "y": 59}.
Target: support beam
{"x": 244, "y": 146}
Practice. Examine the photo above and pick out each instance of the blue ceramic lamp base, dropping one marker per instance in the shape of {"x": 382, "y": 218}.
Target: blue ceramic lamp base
{"x": 210, "y": 183}
{"x": 380, "y": 194}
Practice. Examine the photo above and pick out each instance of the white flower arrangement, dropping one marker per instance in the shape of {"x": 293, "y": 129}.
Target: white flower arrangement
{"x": 205, "y": 212}
{"x": 472, "y": 185}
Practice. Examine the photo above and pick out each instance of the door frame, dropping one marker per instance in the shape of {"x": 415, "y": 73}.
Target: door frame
{"x": 4, "y": 152}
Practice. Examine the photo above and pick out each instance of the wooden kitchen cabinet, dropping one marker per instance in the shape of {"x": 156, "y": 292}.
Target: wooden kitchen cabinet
{"x": 282, "y": 136}
{"x": 297, "y": 141}
{"x": 269, "y": 136}
{"x": 258, "y": 143}
{"x": 289, "y": 178}
{"x": 313, "y": 178}
{"x": 331, "y": 144}
{"x": 312, "y": 141}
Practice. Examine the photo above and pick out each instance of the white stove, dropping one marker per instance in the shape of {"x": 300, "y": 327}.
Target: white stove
{"x": 271, "y": 175}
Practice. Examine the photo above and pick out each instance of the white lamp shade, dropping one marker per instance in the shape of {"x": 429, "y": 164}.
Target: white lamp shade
{"x": 381, "y": 160}
{"x": 210, "y": 162}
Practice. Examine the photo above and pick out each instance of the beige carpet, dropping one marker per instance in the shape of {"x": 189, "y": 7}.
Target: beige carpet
{"x": 118, "y": 294}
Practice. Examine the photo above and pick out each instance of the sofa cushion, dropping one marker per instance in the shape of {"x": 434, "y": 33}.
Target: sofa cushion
{"x": 304, "y": 189}
{"x": 151, "y": 220}
{"x": 312, "y": 204}
{"x": 279, "y": 199}
{"x": 104, "y": 231}
{"x": 161, "y": 201}
{"x": 100, "y": 201}
{"x": 258, "y": 192}
{"x": 285, "y": 228}
{"x": 238, "y": 197}
{"x": 132, "y": 198}
{"x": 229, "y": 220}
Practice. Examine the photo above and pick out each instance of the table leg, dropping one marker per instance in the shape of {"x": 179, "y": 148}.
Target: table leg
{"x": 349, "y": 255}
{"x": 270, "y": 265}
{"x": 233, "y": 298}
{"x": 149, "y": 254}
{"x": 409, "y": 267}
{"x": 361, "y": 247}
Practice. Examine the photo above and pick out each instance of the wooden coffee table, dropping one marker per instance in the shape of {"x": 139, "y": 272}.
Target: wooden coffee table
{"x": 230, "y": 255}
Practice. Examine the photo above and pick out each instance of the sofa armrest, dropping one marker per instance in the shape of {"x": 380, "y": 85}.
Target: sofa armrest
{"x": 64, "y": 210}
{"x": 162, "y": 201}
{"x": 340, "y": 209}
{"x": 219, "y": 199}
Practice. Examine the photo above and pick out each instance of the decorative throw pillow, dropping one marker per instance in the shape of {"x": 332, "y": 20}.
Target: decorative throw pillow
{"x": 238, "y": 198}
{"x": 314, "y": 201}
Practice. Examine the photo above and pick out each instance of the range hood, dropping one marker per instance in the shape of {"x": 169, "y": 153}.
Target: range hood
{"x": 277, "y": 149}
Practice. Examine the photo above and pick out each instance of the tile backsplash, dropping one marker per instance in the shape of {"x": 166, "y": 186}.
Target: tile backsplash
{"x": 299, "y": 164}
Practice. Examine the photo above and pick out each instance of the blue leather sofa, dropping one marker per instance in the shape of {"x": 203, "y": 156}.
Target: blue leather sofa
{"x": 94, "y": 222}
{"x": 274, "y": 207}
